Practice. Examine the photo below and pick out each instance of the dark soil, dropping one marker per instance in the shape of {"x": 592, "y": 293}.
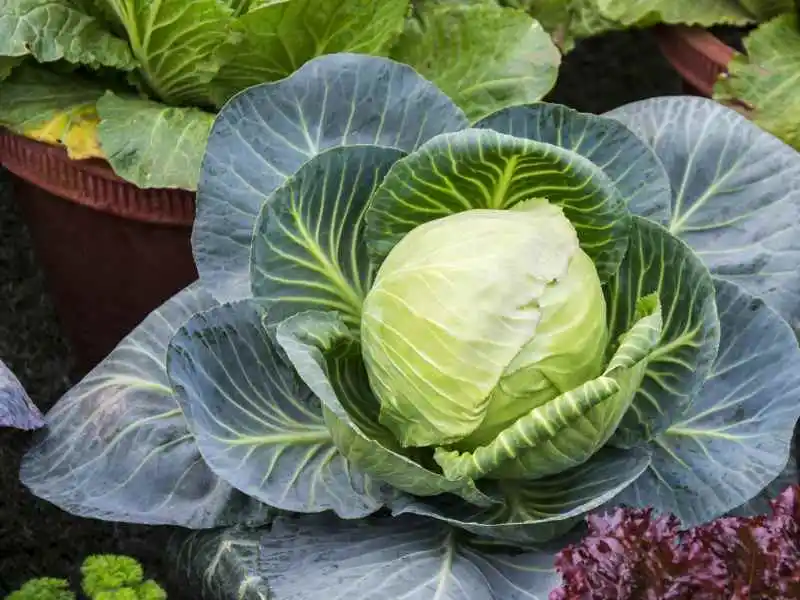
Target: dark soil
{"x": 732, "y": 36}
{"x": 606, "y": 72}
{"x": 38, "y": 539}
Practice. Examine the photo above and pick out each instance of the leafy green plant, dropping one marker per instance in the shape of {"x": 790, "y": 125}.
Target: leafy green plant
{"x": 43, "y": 588}
{"x": 16, "y": 408}
{"x": 104, "y": 577}
{"x": 420, "y": 351}
{"x": 762, "y": 82}
{"x": 137, "y": 82}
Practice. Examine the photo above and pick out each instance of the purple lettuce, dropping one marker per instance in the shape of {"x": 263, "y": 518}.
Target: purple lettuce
{"x": 632, "y": 555}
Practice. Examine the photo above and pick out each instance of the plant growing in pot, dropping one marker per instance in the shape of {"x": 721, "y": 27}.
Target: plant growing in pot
{"x": 421, "y": 350}
{"x": 761, "y": 82}
{"x": 754, "y": 75}
{"x": 125, "y": 91}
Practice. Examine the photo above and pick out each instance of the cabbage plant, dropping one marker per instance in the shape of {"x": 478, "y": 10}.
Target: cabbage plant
{"x": 421, "y": 349}
{"x": 137, "y": 82}
{"x": 760, "y": 81}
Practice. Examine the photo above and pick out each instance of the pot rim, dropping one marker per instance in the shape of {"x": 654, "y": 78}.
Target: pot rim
{"x": 92, "y": 183}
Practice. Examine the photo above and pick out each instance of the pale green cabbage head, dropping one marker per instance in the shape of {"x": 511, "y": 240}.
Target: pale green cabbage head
{"x": 477, "y": 318}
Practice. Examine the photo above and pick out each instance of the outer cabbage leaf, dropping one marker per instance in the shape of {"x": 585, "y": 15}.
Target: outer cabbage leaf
{"x": 240, "y": 7}
{"x": 150, "y": 144}
{"x": 765, "y": 79}
{"x": 760, "y": 504}
{"x": 323, "y": 349}
{"x": 222, "y": 563}
{"x": 51, "y": 30}
{"x": 767, "y": 9}
{"x": 585, "y": 20}
{"x": 734, "y": 438}
{"x": 257, "y": 425}
{"x": 554, "y": 15}
{"x": 659, "y": 262}
{"x": 16, "y": 408}
{"x": 477, "y": 168}
{"x": 276, "y": 38}
{"x": 374, "y": 559}
{"x": 592, "y": 17}
{"x": 52, "y": 108}
{"x": 308, "y": 245}
{"x": 535, "y": 511}
{"x": 736, "y": 193}
{"x": 624, "y": 158}
{"x": 117, "y": 447}
{"x": 175, "y": 42}
{"x": 483, "y": 56}
{"x": 569, "y": 429}
{"x": 266, "y": 133}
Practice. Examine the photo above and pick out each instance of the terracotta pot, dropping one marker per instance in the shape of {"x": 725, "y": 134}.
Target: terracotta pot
{"x": 111, "y": 252}
{"x": 697, "y": 55}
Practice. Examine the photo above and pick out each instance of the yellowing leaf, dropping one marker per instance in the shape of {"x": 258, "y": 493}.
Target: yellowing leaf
{"x": 80, "y": 138}
{"x": 52, "y": 108}
{"x": 75, "y": 129}
{"x": 50, "y": 132}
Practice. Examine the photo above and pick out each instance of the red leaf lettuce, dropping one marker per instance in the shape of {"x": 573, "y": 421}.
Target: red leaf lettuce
{"x": 632, "y": 555}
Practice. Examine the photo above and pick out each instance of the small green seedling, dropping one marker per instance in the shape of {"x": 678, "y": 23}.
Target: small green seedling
{"x": 104, "y": 577}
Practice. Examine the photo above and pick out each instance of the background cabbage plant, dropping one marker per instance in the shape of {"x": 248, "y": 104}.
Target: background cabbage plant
{"x": 137, "y": 82}
{"x": 761, "y": 79}
{"x": 16, "y": 408}
{"x": 269, "y": 400}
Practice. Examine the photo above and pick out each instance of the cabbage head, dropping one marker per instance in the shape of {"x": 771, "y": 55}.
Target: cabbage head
{"x": 473, "y": 319}
{"x": 422, "y": 349}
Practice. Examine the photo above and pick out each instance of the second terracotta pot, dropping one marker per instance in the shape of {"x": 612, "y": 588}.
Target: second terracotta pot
{"x": 111, "y": 252}
{"x": 696, "y": 54}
